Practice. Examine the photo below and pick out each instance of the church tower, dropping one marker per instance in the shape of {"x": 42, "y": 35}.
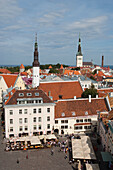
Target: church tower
{"x": 36, "y": 66}
{"x": 79, "y": 56}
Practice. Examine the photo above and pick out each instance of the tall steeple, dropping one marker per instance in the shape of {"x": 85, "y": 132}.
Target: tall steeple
{"x": 79, "y": 47}
{"x": 36, "y": 62}
{"x": 36, "y": 65}
{"x": 79, "y": 56}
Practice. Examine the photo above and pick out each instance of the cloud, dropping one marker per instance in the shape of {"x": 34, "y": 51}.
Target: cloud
{"x": 89, "y": 24}
{"x": 8, "y": 10}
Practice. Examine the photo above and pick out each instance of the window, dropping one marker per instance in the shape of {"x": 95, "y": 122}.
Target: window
{"x": 39, "y": 110}
{"x": 11, "y": 129}
{"x": 29, "y": 94}
{"x": 56, "y": 121}
{"x": 62, "y": 121}
{"x": 73, "y": 113}
{"x": 62, "y": 127}
{"x": 81, "y": 120}
{"x": 20, "y": 120}
{"x": 34, "y": 119}
{"x": 11, "y": 121}
{"x": 21, "y": 94}
{"x": 66, "y": 127}
{"x": 66, "y": 121}
{"x": 77, "y": 120}
{"x": 39, "y": 126}
{"x": 20, "y": 128}
{"x": 39, "y": 101}
{"x": 89, "y": 127}
{"x": 20, "y": 111}
{"x": 63, "y": 114}
{"x": 89, "y": 120}
{"x": 34, "y": 127}
{"x": 21, "y": 102}
{"x": 85, "y": 120}
{"x": 39, "y": 119}
{"x": 25, "y": 120}
{"x": 86, "y": 113}
{"x": 26, "y": 128}
{"x": 36, "y": 94}
{"x": 79, "y": 127}
{"x": 85, "y": 127}
{"x": 11, "y": 112}
{"x": 34, "y": 110}
{"x": 48, "y": 126}
{"x": 25, "y": 111}
{"x": 48, "y": 109}
{"x": 48, "y": 118}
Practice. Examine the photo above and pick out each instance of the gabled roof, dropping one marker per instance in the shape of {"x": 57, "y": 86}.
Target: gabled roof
{"x": 9, "y": 79}
{"x": 4, "y": 70}
{"x": 67, "y": 89}
{"x": 13, "y": 99}
{"x": 80, "y": 107}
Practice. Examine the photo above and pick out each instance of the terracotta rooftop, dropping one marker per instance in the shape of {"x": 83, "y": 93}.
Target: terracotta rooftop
{"x": 74, "y": 108}
{"x": 4, "y": 70}
{"x": 110, "y": 116}
{"x": 67, "y": 89}
{"x": 22, "y": 66}
{"x": 9, "y": 79}
{"x": 103, "y": 92}
{"x": 50, "y": 67}
{"x": 15, "y": 96}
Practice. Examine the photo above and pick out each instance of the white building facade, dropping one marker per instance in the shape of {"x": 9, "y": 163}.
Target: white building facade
{"x": 29, "y": 112}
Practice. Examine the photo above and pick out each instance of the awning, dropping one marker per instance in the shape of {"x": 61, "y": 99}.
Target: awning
{"x": 106, "y": 156}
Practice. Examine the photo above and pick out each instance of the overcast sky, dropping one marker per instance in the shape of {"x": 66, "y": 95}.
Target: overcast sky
{"x": 57, "y": 23}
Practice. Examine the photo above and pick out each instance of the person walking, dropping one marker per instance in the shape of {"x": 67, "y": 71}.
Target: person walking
{"x": 17, "y": 161}
{"x": 52, "y": 152}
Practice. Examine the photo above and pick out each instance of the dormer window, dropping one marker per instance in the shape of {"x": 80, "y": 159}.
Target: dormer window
{"x": 86, "y": 113}
{"x": 21, "y": 94}
{"x": 36, "y": 94}
{"x": 73, "y": 113}
{"x": 29, "y": 94}
{"x": 63, "y": 114}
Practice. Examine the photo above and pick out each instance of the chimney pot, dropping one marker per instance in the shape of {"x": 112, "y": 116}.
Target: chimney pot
{"x": 89, "y": 98}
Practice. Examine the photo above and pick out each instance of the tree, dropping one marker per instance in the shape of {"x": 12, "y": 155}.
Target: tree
{"x": 52, "y": 70}
{"x": 92, "y": 91}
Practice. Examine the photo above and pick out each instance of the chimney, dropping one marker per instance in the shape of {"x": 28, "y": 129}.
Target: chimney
{"x": 102, "y": 61}
{"x": 97, "y": 96}
{"x": 89, "y": 98}
{"x": 74, "y": 97}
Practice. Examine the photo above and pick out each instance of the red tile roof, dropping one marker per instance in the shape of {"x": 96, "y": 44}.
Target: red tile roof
{"x": 50, "y": 67}
{"x": 22, "y": 66}
{"x": 80, "y": 107}
{"x": 4, "y": 70}
{"x": 9, "y": 79}
{"x": 103, "y": 92}
{"x": 67, "y": 89}
{"x": 23, "y": 73}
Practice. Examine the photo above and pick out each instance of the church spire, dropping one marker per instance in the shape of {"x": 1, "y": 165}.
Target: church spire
{"x": 36, "y": 62}
{"x": 36, "y": 65}
{"x": 79, "y": 47}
